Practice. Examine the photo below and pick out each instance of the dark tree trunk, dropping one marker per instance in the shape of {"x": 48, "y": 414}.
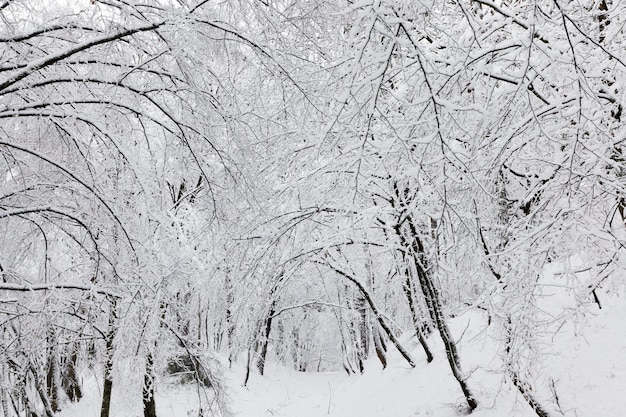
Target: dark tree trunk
{"x": 149, "y": 405}
{"x": 603, "y": 20}
{"x": 296, "y": 347}
{"x": 52, "y": 380}
{"x": 248, "y": 366}
{"x": 70, "y": 382}
{"x": 230, "y": 323}
{"x": 408, "y": 292}
{"x": 280, "y": 345}
{"x": 107, "y": 386}
{"x": 410, "y": 240}
{"x": 265, "y": 339}
{"x": 354, "y": 340}
{"x": 52, "y": 370}
{"x": 364, "y": 328}
{"x": 431, "y": 294}
{"x": 108, "y": 382}
{"x": 345, "y": 355}
{"x": 379, "y": 346}
{"x": 347, "y": 365}
{"x": 43, "y": 395}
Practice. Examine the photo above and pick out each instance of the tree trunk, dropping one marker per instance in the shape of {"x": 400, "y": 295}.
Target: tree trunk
{"x": 433, "y": 301}
{"x": 408, "y": 292}
{"x": 52, "y": 376}
{"x": 379, "y": 346}
{"x": 230, "y": 322}
{"x": 408, "y": 286}
{"x": 43, "y": 395}
{"x": 522, "y": 386}
{"x": 265, "y": 338}
{"x": 603, "y": 20}
{"x": 432, "y": 295}
{"x": 70, "y": 382}
{"x": 107, "y": 386}
{"x": 248, "y": 362}
{"x": 149, "y": 405}
{"x": 354, "y": 341}
{"x": 345, "y": 358}
{"x": 52, "y": 370}
{"x": 363, "y": 328}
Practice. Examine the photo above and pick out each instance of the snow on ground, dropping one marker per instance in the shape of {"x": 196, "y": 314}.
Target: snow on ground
{"x": 586, "y": 366}
{"x": 399, "y": 390}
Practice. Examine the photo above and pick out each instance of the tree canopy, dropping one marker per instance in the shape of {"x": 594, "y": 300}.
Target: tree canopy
{"x": 186, "y": 181}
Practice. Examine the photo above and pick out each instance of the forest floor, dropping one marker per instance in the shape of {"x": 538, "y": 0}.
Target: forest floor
{"x": 583, "y": 370}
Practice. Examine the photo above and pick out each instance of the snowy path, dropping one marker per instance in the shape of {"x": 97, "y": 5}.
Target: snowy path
{"x": 329, "y": 394}
{"x": 589, "y": 372}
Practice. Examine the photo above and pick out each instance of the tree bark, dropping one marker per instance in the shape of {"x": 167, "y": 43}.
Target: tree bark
{"x": 432, "y": 296}
{"x": 248, "y": 362}
{"x": 363, "y": 328}
{"x": 379, "y": 346}
{"x": 70, "y": 382}
{"x": 229, "y": 319}
{"x": 107, "y": 386}
{"x": 408, "y": 286}
{"x": 414, "y": 249}
{"x": 522, "y": 386}
{"x": 265, "y": 339}
{"x": 43, "y": 395}
{"x": 354, "y": 341}
{"x": 52, "y": 373}
{"x": 433, "y": 301}
{"x": 149, "y": 405}
{"x": 408, "y": 292}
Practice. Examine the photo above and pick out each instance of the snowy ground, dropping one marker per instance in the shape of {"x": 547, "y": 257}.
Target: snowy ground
{"x": 587, "y": 368}
{"x": 587, "y": 365}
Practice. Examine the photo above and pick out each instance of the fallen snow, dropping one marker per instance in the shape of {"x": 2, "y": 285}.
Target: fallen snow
{"x": 586, "y": 364}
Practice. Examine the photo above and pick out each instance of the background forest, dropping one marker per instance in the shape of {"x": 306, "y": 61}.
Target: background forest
{"x": 187, "y": 185}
